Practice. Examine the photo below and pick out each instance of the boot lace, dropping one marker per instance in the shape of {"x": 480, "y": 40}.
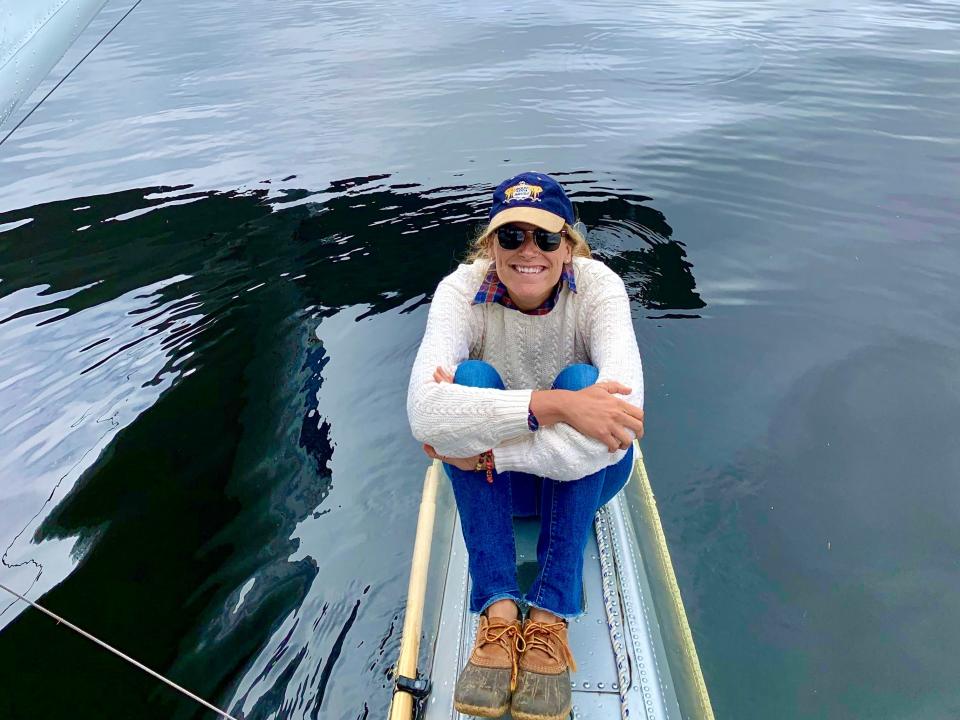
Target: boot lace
{"x": 509, "y": 638}
{"x": 546, "y": 637}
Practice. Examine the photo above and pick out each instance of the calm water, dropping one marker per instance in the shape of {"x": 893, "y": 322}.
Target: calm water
{"x": 218, "y": 242}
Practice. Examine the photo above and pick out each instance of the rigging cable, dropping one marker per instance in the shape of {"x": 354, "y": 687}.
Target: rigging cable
{"x": 102, "y": 644}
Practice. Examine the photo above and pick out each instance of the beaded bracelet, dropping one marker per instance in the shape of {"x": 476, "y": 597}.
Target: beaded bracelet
{"x": 485, "y": 462}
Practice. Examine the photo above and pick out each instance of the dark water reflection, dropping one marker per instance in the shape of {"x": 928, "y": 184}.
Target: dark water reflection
{"x": 212, "y": 511}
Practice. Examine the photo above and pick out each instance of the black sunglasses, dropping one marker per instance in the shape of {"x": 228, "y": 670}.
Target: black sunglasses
{"x": 511, "y": 237}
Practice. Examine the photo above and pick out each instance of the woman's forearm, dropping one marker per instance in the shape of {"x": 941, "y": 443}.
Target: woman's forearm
{"x": 550, "y": 406}
{"x": 461, "y": 421}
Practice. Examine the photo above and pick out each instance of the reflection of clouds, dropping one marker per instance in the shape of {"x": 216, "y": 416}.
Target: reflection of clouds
{"x": 69, "y": 385}
{"x": 280, "y": 89}
{"x": 226, "y": 96}
{"x": 741, "y": 291}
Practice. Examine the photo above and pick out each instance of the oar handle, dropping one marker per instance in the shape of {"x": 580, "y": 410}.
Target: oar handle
{"x": 402, "y": 706}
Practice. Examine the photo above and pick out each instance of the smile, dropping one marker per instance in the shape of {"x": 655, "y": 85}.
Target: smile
{"x": 528, "y": 269}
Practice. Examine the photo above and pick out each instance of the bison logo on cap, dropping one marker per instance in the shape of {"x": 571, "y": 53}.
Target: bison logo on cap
{"x": 522, "y": 191}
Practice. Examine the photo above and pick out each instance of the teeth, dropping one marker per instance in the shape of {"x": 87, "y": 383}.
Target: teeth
{"x": 526, "y": 270}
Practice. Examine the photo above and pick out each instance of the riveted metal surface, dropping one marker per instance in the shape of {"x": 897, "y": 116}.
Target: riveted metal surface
{"x": 613, "y": 607}
{"x": 595, "y": 706}
{"x": 652, "y": 687}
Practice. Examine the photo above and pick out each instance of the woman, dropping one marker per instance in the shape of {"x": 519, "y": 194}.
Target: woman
{"x": 528, "y": 387}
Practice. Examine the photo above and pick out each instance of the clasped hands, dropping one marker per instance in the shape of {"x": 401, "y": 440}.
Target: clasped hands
{"x": 594, "y": 411}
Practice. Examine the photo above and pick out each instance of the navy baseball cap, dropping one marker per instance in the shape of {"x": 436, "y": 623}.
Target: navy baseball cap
{"x": 532, "y": 198}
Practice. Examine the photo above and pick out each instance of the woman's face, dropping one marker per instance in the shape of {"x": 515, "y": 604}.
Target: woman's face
{"x": 529, "y": 273}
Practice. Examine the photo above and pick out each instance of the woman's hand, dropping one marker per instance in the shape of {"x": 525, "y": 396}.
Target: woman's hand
{"x": 597, "y": 412}
{"x": 469, "y": 463}
{"x": 440, "y": 375}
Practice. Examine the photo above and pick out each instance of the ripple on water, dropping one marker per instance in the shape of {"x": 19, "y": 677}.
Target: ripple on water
{"x": 663, "y": 55}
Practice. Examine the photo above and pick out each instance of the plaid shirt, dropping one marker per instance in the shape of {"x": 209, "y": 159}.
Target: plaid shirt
{"x": 492, "y": 290}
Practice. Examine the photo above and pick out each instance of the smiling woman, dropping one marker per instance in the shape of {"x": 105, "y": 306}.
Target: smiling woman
{"x": 528, "y": 387}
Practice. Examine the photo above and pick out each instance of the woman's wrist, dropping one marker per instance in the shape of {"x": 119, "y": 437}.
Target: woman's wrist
{"x": 484, "y": 463}
{"x": 550, "y": 406}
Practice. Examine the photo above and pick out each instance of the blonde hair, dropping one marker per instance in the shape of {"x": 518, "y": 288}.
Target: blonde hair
{"x": 481, "y": 247}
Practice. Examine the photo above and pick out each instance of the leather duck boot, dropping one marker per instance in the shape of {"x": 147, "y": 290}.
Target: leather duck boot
{"x": 543, "y": 681}
{"x": 486, "y": 683}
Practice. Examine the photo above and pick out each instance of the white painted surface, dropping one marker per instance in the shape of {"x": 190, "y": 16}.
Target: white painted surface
{"x": 34, "y": 36}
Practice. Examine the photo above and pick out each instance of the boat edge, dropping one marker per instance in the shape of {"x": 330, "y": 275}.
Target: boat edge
{"x": 688, "y": 648}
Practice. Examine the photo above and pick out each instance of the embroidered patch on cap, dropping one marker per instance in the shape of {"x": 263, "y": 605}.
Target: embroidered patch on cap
{"x": 532, "y": 190}
{"x": 522, "y": 191}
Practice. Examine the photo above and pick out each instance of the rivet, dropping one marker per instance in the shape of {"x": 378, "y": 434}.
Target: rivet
{"x": 586, "y": 686}
{"x": 615, "y": 686}
{"x": 600, "y": 686}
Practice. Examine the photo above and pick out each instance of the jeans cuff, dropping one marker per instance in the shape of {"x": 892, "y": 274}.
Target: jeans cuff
{"x": 566, "y": 616}
{"x": 512, "y": 595}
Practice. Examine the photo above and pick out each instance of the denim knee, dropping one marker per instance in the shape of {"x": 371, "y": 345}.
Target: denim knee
{"x": 576, "y": 377}
{"x": 478, "y": 374}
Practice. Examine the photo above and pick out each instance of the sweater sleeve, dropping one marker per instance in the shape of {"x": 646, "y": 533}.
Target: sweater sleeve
{"x": 560, "y": 452}
{"x": 456, "y": 420}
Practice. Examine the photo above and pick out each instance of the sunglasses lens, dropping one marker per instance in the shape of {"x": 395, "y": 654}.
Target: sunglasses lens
{"x": 547, "y": 241}
{"x": 510, "y": 238}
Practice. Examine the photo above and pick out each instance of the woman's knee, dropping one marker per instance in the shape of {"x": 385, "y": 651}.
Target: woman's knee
{"x": 616, "y": 477}
{"x": 576, "y": 377}
{"x": 479, "y": 374}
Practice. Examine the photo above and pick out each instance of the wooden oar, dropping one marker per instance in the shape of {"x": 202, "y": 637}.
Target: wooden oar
{"x": 402, "y": 706}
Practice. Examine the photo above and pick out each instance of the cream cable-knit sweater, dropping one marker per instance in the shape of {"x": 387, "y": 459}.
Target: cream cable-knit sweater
{"x": 592, "y": 325}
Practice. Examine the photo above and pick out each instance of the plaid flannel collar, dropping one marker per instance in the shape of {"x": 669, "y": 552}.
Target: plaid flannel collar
{"x": 494, "y": 291}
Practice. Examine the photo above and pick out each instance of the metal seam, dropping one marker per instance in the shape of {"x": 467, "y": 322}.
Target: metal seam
{"x": 632, "y": 621}
{"x": 614, "y": 624}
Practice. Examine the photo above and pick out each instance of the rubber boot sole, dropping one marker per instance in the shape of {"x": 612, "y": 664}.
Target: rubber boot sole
{"x": 478, "y": 711}
{"x": 517, "y": 715}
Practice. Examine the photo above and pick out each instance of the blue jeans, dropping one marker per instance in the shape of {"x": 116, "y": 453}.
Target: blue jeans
{"x": 566, "y": 512}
